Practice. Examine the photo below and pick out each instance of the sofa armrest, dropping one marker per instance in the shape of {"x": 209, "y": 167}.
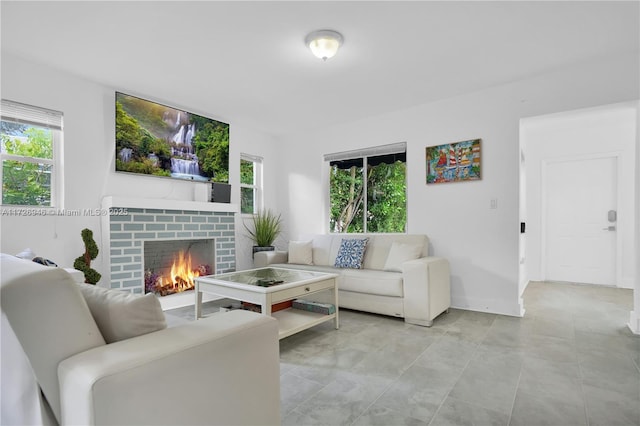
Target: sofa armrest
{"x": 223, "y": 369}
{"x": 262, "y": 259}
{"x": 427, "y": 291}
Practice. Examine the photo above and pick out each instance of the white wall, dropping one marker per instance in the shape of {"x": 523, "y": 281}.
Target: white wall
{"x": 609, "y": 130}
{"x": 255, "y": 143}
{"x": 481, "y": 243}
{"x": 634, "y": 316}
{"x": 89, "y": 134}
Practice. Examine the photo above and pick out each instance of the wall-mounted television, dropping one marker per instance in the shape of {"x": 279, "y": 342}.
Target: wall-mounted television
{"x": 158, "y": 140}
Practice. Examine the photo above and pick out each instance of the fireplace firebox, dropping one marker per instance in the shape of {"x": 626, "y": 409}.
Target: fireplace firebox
{"x": 172, "y": 265}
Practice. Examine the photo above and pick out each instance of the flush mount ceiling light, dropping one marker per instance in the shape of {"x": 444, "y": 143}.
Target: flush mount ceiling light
{"x": 324, "y": 43}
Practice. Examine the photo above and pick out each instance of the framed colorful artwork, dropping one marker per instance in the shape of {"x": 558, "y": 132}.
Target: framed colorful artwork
{"x": 453, "y": 162}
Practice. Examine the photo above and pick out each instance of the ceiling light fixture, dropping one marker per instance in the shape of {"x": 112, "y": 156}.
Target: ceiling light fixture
{"x": 324, "y": 43}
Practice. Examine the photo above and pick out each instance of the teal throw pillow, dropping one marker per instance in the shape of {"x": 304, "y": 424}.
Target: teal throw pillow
{"x": 351, "y": 253}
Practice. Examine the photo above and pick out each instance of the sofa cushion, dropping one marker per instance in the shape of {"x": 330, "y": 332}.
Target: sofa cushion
{"x": 380, "y": 244}
{"x": 351, "y": 253}
{"x": 381, "y": 283}
{"x": 372, "y": 282}
{"x": 322, "y": 245}
{"x": 301, "y": 252}
{"x": 122, "y": 315}
{"x": 400, "y": 253}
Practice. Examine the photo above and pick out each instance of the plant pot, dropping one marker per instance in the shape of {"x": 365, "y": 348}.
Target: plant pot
{"x": 258, "y": 248}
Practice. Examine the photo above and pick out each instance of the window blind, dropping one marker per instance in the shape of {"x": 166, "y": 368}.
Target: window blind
{"x": 26, "y": 114}
{"x": 249, "y": 157}
{"x": 395, "y": 148}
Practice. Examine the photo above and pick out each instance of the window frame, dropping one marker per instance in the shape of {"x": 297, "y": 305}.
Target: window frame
{"x": 364, "y": 155}
{"x": 257, "y": 186}
{"x": 33, "y": 116}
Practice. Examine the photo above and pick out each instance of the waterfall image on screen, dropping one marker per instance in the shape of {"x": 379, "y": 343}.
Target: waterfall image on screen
{"x": 155, "y": 139}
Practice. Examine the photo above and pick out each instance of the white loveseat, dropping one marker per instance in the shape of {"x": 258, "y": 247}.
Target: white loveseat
{"x": 397, "y": 277}
{"x": 223, "y": 369}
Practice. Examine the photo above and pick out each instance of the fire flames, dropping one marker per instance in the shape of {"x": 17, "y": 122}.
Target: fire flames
{"x": 181, "y": 276}
{"x": 182, "y": 272}
{"x": 177, "y": 278}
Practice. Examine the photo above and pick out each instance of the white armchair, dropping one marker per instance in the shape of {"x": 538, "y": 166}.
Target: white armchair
{"x": 220, "y": 370}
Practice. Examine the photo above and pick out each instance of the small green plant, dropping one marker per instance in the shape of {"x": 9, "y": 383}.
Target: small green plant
{"x": 83, "y": 263}
{"x": 266, "y": 228}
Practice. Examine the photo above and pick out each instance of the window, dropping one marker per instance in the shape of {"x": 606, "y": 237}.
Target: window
{"x": 30, "y": 139}
{"x": 368, "y": 190}
{"x": 250, "y": 184}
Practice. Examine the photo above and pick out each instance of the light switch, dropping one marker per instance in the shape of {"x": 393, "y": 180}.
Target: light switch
{"x": 494, "y": 203}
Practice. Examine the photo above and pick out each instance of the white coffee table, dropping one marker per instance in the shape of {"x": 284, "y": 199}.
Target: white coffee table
{"x": 251, "y": 286}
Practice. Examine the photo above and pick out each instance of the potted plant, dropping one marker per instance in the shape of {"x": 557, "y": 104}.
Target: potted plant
{"x": 83, "y": 263}
{"x": 266, "y": 228}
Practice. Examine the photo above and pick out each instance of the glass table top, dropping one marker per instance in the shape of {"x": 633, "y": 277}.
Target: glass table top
{"x": 268, "y": 277}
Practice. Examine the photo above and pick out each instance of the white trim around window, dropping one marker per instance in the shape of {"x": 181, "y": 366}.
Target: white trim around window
{"x": 25, "y": 116}
{"x": 255, "y": 189}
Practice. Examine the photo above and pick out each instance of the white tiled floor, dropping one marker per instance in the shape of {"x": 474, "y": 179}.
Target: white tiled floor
{"x": 570, "y": 361}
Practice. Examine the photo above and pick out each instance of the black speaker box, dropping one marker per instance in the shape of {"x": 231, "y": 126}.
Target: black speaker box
{"x": 220, "y": 192}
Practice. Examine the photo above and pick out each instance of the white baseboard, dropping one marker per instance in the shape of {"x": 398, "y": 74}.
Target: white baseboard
{"x": 634, "y": 322}
{"x": 627, "y": 282}
{"x": 492, "y": 306}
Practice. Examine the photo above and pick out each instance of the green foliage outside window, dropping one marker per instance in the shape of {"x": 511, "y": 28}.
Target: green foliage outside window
{"x": 345, "y": 193}
{"x": 26, "y": 182}
{"x": 246, "y": 201}
{"x": 386, "y": 202}
{"x": 247, "y": 195}
{"x": 246, "y": 172}
{"x": 387, "y": 198}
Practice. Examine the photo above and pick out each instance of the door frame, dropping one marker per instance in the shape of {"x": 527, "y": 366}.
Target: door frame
{"x": 543, "y": 208}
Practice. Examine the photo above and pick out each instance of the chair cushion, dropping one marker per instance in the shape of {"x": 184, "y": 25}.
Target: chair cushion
{"x": 121, "y": 315}
{"x": 49, "y": 317}
{"x": 351, "y": 253}
{"x": 400, "y": 253}
{"x": 301, "y": 252}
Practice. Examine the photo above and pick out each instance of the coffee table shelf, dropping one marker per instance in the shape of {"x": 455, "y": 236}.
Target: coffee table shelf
{"x": 295, "y": 284}
{"x": 292, "y": 321}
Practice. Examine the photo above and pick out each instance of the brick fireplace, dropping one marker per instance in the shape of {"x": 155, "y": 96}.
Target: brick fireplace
{"x": 133, "y": 222}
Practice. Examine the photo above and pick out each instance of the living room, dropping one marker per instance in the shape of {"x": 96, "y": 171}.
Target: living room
{"x": 510, "y": 62}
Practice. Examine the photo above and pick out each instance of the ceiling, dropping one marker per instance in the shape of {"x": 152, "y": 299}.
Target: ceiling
{"x": 246, "y": 63}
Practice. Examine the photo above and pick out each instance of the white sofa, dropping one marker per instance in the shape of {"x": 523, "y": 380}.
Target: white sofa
{"x": 417, "y": 289}
{"x": 223, "y": 369}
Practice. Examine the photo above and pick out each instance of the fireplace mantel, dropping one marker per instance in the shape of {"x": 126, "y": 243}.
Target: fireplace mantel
{"x": 112, "y": 201}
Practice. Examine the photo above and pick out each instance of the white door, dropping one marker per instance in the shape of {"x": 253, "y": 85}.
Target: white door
{"x": 580, "y": 235}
